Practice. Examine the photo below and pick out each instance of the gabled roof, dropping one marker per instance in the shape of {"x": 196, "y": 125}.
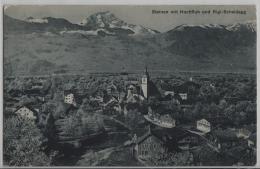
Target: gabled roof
{"x": 66, "y": 92}
{"x": 203, "y": 119}
{"x": 35, "y": 113}
{"x": 163, "y": 134}
{"x": 26, "y": 106}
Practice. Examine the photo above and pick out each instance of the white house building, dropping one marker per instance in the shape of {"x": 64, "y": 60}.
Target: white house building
{"x": 26, "y": 112}
{"x": 70, "y": 99}
{"x": 169, "y": 93}
{"x": 252, "y": 141}
{"x": 167, "y": 121}
{"x": 183, "y": 96}
{"x": 243, "y": 133}
{"x": 203, "y": 125}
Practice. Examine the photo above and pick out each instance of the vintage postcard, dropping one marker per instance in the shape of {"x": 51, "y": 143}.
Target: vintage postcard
{"x": 129, "y": 85}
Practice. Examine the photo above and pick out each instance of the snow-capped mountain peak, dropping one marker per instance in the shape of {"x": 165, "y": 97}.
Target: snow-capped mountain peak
{"x": 203, "y": 26}
{"x": 107, "y": 20}
{"x": 36, "y": 20}
{"x": 248, "y": 25}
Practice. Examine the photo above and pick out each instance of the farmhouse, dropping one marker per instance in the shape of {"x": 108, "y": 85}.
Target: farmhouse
{"x": 252, "y": 141}
{"x": 203, "y": 125}
{"x": 156, "y": 142}
{"x": 189, "y": 141}
{"x": 184, "y": 96}
{"x": 69, "y": 98}
{"x": 187, "y": 91}
{"x": 167, "y": 120}
{"x": 149, "y": 145}
{"x": 171, "y": 93}
{"x": 26, "y": 112}
{"x": 243, "y": 133}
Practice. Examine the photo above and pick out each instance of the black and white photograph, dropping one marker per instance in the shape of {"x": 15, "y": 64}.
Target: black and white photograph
{"x": 129, "y": 85}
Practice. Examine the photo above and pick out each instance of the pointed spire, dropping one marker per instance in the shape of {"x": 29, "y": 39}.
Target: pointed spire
{"x": 146, "y": 71}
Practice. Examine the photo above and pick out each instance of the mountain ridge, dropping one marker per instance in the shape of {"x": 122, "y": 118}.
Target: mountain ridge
{"x": 96, "y": 47}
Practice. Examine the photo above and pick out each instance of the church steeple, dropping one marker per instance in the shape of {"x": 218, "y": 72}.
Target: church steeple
{"x": 146, "y": 72}
{"x": 145, "y": 81}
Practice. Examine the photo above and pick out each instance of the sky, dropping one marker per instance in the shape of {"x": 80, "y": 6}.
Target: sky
{"x": 139, "y": 15}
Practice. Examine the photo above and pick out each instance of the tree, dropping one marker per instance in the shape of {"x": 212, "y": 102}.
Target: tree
{"x": 161, "y": 158}
{"x": 23, "y": 143}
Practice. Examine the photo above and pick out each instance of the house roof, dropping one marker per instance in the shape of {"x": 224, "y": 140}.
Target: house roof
{"x": 66, "y": 92}
{"x": 35, "y": 113}
{"x": 183, "y": 88}
{"x": 112, "y": 85}
{"x": 226, "y": 136}
{"x": 26, "y": 106}
{"x": 204, "y": 119}
{"x": 252, "y": 137}
{"x": 35, "y": 91}
{"x": 163, "y": 134}
{"x": 153, "y": 90}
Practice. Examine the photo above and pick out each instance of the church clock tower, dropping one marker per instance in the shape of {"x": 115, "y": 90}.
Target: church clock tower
{"x": 144, "y": 84}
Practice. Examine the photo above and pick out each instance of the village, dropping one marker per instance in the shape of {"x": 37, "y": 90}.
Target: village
{"x": 173, "y": 120}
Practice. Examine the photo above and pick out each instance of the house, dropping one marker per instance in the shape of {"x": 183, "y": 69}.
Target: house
{"x": 251, "y": 142}
{"x": 184, "y": 96}
{"x": 112, "y": 89}
{"x": 155, "y": 143}
{"x": 187, "y": 91}
{"x": 227, "y": 138}
{"x": 26, "y": 112}
{"x": 167, "y": 121}
{"x": 132, "y": 88}
{"x": 189, "y": 141}
{"x": 164, "y": 121}
{"x": 169, "y": 93}
{"x": 70, "y": 99}
{"x": 203, "y": 125}
{"x": 149, "y": 145}
{"x": 243, "y": 133}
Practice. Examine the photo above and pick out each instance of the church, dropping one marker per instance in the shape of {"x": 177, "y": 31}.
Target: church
{"x": 149, "y": 89}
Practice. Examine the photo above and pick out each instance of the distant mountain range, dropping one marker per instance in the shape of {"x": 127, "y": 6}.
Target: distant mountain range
{"x": 103, "y": 23}
{"x": 102, "y": 41}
